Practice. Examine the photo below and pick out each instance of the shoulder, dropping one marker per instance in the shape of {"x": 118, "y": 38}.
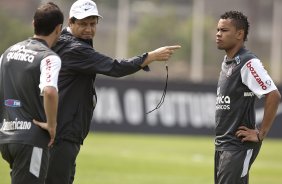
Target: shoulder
{"x": 16, "y": 46}
{"x": 53, "y": 57}
{"x": 68, "y": 43}
{"x": 246, "y": 55}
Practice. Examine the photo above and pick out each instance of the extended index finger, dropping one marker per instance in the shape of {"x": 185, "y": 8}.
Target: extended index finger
{"x": 173, "y": 47}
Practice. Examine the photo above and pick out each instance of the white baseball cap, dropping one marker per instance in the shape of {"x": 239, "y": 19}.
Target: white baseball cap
{"x": 81, "y": 9}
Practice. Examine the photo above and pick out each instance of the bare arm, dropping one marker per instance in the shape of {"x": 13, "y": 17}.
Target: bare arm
{"x": 272, "y": 100}
{"x": 160, "y": 54}
{"x": 50, "y": 106}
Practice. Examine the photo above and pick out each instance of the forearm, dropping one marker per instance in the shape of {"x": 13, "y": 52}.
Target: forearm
{"x": 51, "y": 106}
{"x": 270, "y": 108}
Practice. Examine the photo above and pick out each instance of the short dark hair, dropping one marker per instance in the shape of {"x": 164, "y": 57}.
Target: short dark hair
{"x": 239, "y": 20}
{"x": 72, "y": 20}
{"x": 46, "y": 18}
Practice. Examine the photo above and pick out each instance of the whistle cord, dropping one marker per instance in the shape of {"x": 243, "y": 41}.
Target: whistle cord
{"x": 164, "y": 93}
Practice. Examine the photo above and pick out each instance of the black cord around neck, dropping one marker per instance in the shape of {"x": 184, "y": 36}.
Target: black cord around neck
{"x": 164, "y": 93}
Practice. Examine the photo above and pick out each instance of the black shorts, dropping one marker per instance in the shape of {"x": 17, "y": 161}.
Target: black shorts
{"x": 28, "y": 164}
{"x": 232, "y": 167}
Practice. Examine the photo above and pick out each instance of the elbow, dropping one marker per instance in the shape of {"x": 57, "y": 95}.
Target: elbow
{"x": 275, "y": 96}
{"x": 278, "y": 95}
{"x": 50, "y": 92}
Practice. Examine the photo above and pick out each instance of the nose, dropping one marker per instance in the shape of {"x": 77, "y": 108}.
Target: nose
{"x": 218, "y": 34}
{"x": 88, "y": 28}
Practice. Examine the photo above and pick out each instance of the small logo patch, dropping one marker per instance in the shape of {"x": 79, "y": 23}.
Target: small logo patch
{"x": 12, "y": 103}
{"x": 249, "y": 94}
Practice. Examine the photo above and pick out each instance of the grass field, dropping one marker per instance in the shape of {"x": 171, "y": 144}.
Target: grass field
{"x": 159, "y": 159}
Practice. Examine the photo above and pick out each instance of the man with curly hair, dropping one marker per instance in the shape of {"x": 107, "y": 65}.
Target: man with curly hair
{"x": 242, "y": 80}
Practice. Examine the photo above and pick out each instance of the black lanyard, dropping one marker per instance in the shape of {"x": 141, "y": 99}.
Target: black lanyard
{"x": 164, "y": 92}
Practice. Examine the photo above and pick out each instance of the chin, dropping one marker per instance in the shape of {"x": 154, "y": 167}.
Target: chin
{"x": 88, "y": 37}
{"x": 220, "y": 47}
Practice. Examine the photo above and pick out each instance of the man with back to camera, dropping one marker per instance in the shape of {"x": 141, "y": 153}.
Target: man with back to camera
{"x": 242, "y": 79}
{"x": 28, "y": 91}
{"x": 77, "y": 97}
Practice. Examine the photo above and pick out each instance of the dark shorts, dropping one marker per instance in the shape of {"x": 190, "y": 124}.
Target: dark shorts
{"x": 62, "y": 162}
{"x": 232, "y": 167}
{"x": 28, "y": 164}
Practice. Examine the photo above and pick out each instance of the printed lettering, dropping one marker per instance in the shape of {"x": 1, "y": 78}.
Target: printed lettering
{"x": 20, "y": 53}
{"x": 48, "y": 70}
{"x": 15, "y": 125}
{"x": 256, "y": 76}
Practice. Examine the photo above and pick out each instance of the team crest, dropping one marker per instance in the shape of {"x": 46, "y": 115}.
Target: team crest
{"x": 237, "y": 60}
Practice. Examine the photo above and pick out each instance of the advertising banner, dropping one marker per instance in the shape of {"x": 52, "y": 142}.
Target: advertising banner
{"x": 187, "y": 109}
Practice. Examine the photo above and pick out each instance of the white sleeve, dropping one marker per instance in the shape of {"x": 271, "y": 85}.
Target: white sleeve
{"x": 256, "y": 78}
{"x": 1, "y": 60}
{"x": 49, "y": 67}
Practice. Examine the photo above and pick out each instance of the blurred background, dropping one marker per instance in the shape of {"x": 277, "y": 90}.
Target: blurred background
{"x": 132, "y": 27}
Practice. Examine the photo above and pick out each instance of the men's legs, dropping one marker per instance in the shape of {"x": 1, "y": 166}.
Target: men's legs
{"x": 62, "y": 162}
{"x": 232, "y": 167}
{"x": 228, "y": 167}
{"x": 29, "y": 164}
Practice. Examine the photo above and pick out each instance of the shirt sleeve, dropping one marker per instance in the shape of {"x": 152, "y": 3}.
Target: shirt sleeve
{"x": 256, "y": 78}
{"x": 88, "y": 61}
{"x": 1, "y": 60}
{"x": 49, "y": 67}
{"x": 1, "y": 91}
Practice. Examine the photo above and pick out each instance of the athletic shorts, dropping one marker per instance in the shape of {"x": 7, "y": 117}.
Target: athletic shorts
{"x": 28, "y": 164}
{"x": 232, "y": 167}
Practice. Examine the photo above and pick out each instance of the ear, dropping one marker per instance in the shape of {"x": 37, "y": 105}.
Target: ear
{"x": 58, "y": 29}
{"x": 240, "y": 34}
{"x": 69, "y": 23}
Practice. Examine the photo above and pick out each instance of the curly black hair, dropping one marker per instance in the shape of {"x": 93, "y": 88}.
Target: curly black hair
{"x": 239, "y": 20}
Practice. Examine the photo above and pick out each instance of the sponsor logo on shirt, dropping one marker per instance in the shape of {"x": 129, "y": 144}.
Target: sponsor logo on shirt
{"x": 222, "y": 102}
{"x": 249, "y": 94}
{"x": 268, "y": 82}
{"x": 256, "y": 76}
{"x": 15, "y": 125}
{"x": 48, "y": 70}
{"x": 12, "y": 103}
{"x": 20, "y": 53}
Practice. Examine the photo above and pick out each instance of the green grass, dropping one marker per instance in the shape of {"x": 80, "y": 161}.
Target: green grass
{"x": 159, "y": 159}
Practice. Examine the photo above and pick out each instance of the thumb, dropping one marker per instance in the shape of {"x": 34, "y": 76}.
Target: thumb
{"x": 51, "y": 142}
{"x": 40, "y": 124}
{"x": 36, "y": 122}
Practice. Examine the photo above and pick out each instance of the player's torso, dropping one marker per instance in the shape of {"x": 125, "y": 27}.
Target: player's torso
{"x": 234, "y": 104}
{"x": 22, "y": 101}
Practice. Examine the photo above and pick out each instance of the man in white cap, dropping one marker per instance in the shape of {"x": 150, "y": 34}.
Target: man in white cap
{"x": 77, "y": 97}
